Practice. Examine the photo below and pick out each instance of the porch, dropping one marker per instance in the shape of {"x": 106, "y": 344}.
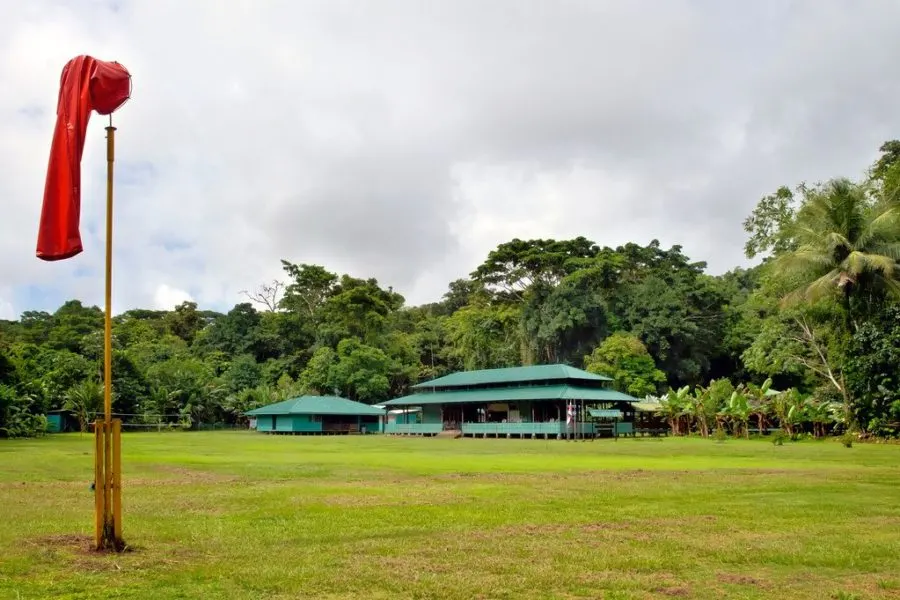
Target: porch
{"x": 536, "y": 430}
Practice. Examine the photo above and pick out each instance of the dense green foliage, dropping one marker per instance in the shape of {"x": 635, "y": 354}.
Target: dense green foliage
{"x": 816, "y": 317}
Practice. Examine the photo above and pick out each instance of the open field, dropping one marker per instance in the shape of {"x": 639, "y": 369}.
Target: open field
{"x": 242, "y": 515}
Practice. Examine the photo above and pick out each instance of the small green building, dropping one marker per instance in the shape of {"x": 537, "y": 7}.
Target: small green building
{"x": 535, "y": 401}
{"x": 62, "y": 420}
{"x": 318, "y": 415}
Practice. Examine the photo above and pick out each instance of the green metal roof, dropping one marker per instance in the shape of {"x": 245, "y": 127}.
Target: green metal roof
{"x": 317, "y": 405}
{"x": 511, "y": 375}
{"x": 534, "y": 393}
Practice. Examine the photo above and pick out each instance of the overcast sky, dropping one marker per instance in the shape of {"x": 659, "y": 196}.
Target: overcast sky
{"x": 406, "y": 139}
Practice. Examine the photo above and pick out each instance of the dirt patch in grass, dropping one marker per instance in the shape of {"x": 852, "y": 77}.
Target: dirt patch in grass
{"x": 35, "y": 485}
{"x": 409, "y": 497}
{"x": 79, "y": 543}
{"x": 588, "y": 476}
{"x": 597, "y": 478}
{"x": 179, "y": 476}
{"x": 547, "y": 529}
{"x": 675, "y": 592}
{"x": 745, "y": 580}
{"x": 77, "y": 549}
{"x": 65, "y": 541}
{"x": 77, "y": 552}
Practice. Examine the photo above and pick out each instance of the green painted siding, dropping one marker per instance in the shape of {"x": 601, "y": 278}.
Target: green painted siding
{"x": 371, "y": 427}
{"x": 413, "y": 428}
{"x": 624, "y": 428}
{"x": 524, "y": 428}
{"x": 431, "y": 414}
{"x": 54, "y": 423}
{"x": 301, "y": 424}
{"x": 305, "y": 423}
{"x": 407, "y": 417}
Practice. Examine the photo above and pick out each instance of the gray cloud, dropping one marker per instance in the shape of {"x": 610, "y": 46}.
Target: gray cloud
{"x": 406, "y": 139}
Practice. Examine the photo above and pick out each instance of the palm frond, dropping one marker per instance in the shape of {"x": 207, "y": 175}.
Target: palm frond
{"x": 823, "y": 286}
{"x": 883, "y": 222}
{"x": 892, "y": 285}
{"x": 861, "y": 262}
{"x": 891, "y": 249}
{"x": 803, "y": 259}
{"x": 835, "y": 239}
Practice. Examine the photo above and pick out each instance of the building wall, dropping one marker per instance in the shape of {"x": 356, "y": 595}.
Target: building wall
{"x": 431, "y": 414}
{"x": 371, "y": 427}
{"x": 284, "y": 423}
{"x": 288, "y": 423}
{"x": 54, "y": 423}
{"x": 306, "y": 423}
{"x": 313, "y": 423}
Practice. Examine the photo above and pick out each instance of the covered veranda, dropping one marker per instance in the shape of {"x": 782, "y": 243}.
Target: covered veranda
{"x": 546, "y": 411}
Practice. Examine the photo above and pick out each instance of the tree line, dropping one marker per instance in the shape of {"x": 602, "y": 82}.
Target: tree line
{"x": 817, "y": 315}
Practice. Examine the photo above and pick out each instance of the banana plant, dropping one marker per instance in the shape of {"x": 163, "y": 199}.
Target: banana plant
{"x": 789, "y": 407}
{"x": 738, "y": 410}
{"x": 696, "y": 408}
{"x": 821, "y": 414}
{"x": 672, "y": 405}
{"x": 760, "y": 406}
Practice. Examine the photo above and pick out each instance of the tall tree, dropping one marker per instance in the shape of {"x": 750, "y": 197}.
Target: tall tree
{"x": 846, "y": 243}
{"x": 625, "y": 359}
{"x": 308, "y": 289}
{"x": 515, "y": 266}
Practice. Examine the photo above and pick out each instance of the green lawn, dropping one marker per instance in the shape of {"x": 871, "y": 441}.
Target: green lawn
{"x": 243, "y": 515}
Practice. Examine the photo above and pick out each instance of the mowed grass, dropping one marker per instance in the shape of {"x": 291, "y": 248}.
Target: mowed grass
{"x": 244, "y": 515}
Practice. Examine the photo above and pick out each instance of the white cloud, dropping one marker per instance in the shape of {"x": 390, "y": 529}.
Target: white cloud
{"x": 167, "y": 298}
{"x": 7, "y": 311}
{"x": 404, "y": 141}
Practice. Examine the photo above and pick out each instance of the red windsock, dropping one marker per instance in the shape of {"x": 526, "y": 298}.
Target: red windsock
{"x": 86, "y": 84}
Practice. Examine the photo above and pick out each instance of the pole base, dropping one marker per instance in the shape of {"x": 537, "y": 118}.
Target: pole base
{"x": 108, "y": 486}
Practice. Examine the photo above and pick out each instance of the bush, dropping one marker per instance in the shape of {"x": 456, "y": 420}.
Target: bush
{"x": 21, "y": 424}
{"x": 779, "y": 437}
{"x": 847, "y": 440}
{"x": 18, "y": 416}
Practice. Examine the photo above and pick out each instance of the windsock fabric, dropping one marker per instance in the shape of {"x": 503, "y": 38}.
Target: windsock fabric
{"x": 86, "y": 85}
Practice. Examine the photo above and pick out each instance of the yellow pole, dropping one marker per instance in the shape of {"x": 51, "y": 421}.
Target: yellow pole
{"x": 107, "y": 333}
{"x": 108, "y": 459}
{"x": 99, "y": 478}
{"x": 117, "y": 481}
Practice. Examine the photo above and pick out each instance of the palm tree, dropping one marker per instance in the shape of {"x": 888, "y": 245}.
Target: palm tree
{"x": 847, "y": 243}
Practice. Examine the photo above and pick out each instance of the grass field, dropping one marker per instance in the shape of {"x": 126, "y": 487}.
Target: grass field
{"x": 243, "y": 515}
